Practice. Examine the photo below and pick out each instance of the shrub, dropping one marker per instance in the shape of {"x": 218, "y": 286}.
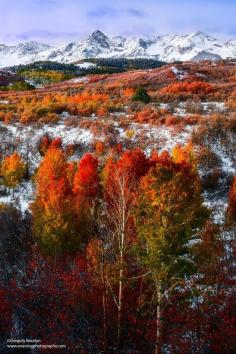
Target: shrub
{"x": 141, "y": 95}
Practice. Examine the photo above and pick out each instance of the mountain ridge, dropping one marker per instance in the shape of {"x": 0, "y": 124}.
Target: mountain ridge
{"x": 194, "y": 46}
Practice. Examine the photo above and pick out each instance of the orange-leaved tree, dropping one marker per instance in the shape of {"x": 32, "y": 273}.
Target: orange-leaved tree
{"x": 65, "y": 201}
{"x": 54, "y": 223}
{"x": 86, "y": 180}
{"x": 13, "y": 170}
{"x": 86, "y": 192}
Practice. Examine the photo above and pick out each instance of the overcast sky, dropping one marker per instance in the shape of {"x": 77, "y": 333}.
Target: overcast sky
{"x": 60, "y": 21}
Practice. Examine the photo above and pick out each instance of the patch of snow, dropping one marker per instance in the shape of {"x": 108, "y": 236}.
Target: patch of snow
{"x": 218, "y": 201}
{"x": 33, "y": 83}
{"x": 86, "y": 65}
{"x": 162, "y": 138}
{"x": 213, "y": 106}
{"x": 181, "y": 110}
{"x": 180, "y": 74}
{"x": 228, "y": 165}
{"x": 218, "y": 207}
{"x": 31, "y": 133}
{"x": 27, "y": 138}
{"x": 22, "y": 197}
{"x": 164, "y": 105}
{"x": 78, "y": 80}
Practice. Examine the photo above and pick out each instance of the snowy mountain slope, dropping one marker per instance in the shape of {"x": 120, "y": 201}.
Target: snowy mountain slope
{"x": 21, "y": 54}
{"x": 186, "y": 47}
{"x": 195, "y": 46}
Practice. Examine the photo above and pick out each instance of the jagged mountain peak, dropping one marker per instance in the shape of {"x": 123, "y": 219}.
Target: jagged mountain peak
{"x": 201, "y": 36}
{"x": 32, "y": 46}
{"x": 198, "y": 34}
{"x": 100, "y": 38}
{"x": 118, "y": 41}
{"x": 98, "y": 35}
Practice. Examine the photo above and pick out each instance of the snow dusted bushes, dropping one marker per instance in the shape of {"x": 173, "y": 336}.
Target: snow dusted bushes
{"x": 171, "y": 120}
{"x": 72, "y": 121}
{"x": 192, "y": 119}
{"x": 149, "y": 115}
{"x": 216, "y": 126}
{"x": 194, "y": 107}
{"x": 207, "y": 158}
{"x": 231, "y": 102}
{"x": 98, "y": 127}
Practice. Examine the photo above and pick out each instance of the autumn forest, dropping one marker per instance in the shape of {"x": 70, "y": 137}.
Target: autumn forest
{"x": 118, "y": 209}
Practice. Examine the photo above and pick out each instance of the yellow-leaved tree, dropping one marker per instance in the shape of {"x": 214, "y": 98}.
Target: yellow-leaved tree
{"x": 13, "y": 170}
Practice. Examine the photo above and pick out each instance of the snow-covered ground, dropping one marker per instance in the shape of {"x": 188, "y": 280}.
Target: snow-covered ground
{"x": 34, "y": 84}
{"x": 213, "y": 106}
{"x": 218, "y": 200}
{"x": 160, "y": 138}
{"x": 79, "y": 80}
{"x": 30, "y": 134}
{"x": 208, "y": 107}
{"x": 25, "y": 139}
{"x": 22, "y": 197}
{"x": 180, "y": 74}
{"x": 146, "y": 136}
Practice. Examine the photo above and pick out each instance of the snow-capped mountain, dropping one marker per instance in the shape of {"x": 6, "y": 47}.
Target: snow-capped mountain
{"x": 195, "y": 46}
{"x": 21, "y": 53}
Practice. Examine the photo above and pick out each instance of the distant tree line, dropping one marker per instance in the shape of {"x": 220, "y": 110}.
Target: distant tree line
{"x": 126, "y": 64}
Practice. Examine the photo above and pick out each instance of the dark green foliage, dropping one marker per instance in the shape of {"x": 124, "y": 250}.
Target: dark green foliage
{"x": 126, "y": 64}
{"x": 17, "y": 86}
{"x": 45, "y": 66}
{"x": 104, "y": 66}
{"x": 141, "y": 95}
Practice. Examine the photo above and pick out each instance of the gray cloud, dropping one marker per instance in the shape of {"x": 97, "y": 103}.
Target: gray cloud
{"x": 44, "y": 34}
{"x": 113, "y": 12}
{"x": 103, "y": 12}
{"x": 63, "y": 20}
{"x": 136, "y": 13}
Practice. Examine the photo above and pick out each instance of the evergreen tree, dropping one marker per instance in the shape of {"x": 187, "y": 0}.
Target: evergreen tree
{"x": 141, "y": 95}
